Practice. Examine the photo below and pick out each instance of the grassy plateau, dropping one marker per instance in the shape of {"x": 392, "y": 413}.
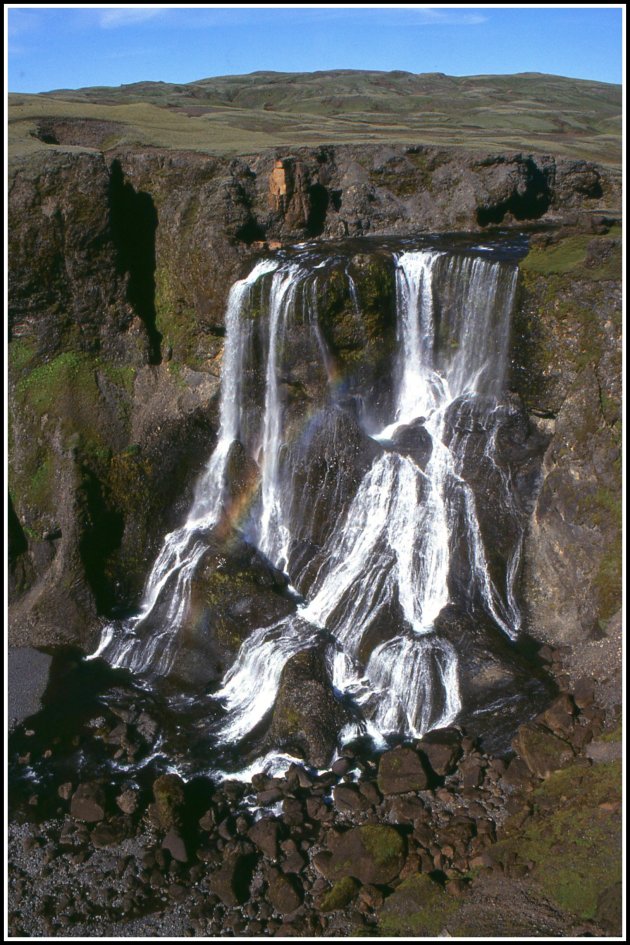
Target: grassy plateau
{"x": 242, "y": 114}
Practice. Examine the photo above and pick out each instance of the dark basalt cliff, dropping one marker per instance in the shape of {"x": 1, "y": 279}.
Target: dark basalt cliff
{"x": 120, "y": 265}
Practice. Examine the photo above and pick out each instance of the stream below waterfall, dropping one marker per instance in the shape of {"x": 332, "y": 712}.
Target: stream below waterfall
{"x": 348, "y": 570}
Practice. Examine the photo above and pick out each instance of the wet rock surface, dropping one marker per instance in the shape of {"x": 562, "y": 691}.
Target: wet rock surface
{"x": 335, "y": 852}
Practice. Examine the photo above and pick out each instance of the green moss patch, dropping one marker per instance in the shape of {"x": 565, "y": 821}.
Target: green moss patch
{"x": 573, "y": 837}
{"x": 569, "y": 255}
{"x": 419, "y": 907}
{"x": 342, "y": 893}
{"x": 384, "y": 844}
{"x": 558, "y": 257}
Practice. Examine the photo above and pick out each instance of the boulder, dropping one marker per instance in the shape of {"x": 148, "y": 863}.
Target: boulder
{"x": 88, "y": 802}
{"x": 372, "y": 854}
{"x": 542, "y": 751}
{"x": 284, "y": 893}
{"x": 347, "y": 798}
{"x": 442, "y": 750}
{"x": 176, "y": 846}
{"x": 341, "y": 894}
{"x": 401, "y": 770}
{"x": 414, "y": 440}
{"x": 168, "y": 791}
{"x": 232, "y": 880}
{"x": 265, "y": 834}
{"x": 558, "y": 717}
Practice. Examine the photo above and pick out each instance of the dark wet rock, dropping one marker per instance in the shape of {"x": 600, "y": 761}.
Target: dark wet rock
{"x": 542, "y": 752}
{"x": 442, "y": 749}
{"x": 414, "y": 440}
{"x": 88, "y": 802}
{"x": 265, "y": 834}
{"x": 401, "y": 770}
{"x": 329, "y": 465}
{"x": 499, "y": 684}
{"x": 306, "y": 716}
{"x": 233, "y": 591}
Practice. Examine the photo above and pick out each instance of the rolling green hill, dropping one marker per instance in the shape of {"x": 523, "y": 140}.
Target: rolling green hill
{"x": 241, "y": 114}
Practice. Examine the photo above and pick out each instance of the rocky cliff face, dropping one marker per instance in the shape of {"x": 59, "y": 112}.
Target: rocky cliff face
{"x": 568, "y": 369}
{"x": 119, "y": 271}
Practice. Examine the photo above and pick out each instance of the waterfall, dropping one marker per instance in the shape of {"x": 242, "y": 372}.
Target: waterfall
{"x": 393, "y": 562}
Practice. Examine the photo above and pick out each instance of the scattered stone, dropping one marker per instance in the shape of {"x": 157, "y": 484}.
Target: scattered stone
{"x": 265, "y": 834}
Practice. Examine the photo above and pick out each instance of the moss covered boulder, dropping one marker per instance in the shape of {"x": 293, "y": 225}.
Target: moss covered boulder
{"x": 372, "y": 854}
{"x": 541, "y": 750}
{"x": 339, "y": 896}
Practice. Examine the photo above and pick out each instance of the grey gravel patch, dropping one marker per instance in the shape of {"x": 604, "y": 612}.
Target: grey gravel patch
{"x": 28, "y": 671}
{"x": 601, "y": 752}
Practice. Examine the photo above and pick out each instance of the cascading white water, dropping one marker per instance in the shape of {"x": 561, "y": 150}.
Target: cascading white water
{"x": 273, "y": 535}
{"x": 181, "y": 551}
{"x": 389, "y": 560}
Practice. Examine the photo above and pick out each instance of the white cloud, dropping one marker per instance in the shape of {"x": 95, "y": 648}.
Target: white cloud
{"x": 128, "y": 16}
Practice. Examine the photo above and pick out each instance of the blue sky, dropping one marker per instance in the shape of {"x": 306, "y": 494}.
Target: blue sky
{"x": 52, "y": 48}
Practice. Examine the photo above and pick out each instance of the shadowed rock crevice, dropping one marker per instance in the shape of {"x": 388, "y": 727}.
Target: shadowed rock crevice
{"x": 134, "y": 221}
{"x": 101, "y": 538}
{"x": 528, "y": 202}
{"x": 319, "y": 199}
